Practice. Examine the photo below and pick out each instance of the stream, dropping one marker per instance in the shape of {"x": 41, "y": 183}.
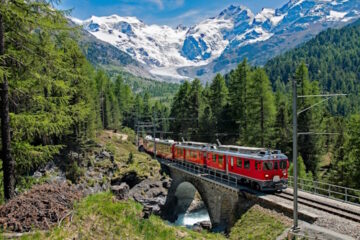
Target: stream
{"x": 189, "y": 219}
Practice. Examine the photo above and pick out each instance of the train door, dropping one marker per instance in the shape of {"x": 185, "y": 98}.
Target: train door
{"x": 227, "y": 158}
{"x": 203, "y": 158}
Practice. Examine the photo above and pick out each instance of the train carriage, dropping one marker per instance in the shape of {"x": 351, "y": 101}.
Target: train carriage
{"x": 164, "y": 148}
{"x": 263, "y": 168}
{"x": 192, "y": 152}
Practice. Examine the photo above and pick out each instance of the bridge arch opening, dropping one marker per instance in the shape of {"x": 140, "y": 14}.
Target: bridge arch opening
{"x": 190, "y": 207}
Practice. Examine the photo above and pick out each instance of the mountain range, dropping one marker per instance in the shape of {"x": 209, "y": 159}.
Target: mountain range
{"x": 216, "y": 44}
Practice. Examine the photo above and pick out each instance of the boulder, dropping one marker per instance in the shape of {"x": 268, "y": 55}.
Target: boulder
{"x": 120, "y": 191}
{"x": 200, "y": 226}
{"x": 206, "y": 225}
{"x": 105, "y": 154}
{"x": 151, "y": 194}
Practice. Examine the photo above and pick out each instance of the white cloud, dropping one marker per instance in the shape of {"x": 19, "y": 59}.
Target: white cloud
{"x": 158, "y": 3}
{"x": 179, "y": 3}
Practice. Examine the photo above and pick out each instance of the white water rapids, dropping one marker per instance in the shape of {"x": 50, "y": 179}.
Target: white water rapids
{"x": 189, "y": 219}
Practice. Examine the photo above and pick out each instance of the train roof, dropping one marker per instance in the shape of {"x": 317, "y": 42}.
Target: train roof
{"x": 164, "y": 141}
{"x": 233, "y": 150}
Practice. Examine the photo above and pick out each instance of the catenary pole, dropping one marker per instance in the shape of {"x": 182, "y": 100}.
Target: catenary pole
{"x": 295, "y": 226}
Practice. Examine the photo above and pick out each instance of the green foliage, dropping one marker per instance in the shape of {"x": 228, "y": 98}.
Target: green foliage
{"x": 260, "y": 109}
{"x": 309, "y": 145}
{"x": 301, "y": 169}
{"x": 74, "y": 172}
{"x": 333, "y": 59}
{"x": 247, "y": 105}
{"x": 346, "y": 166}
{"x": 238, "y": 96}
{"x": 257, "y": 224}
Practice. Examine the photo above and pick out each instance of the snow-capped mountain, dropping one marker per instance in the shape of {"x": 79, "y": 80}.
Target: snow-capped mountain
{"x": 217, "y": 44}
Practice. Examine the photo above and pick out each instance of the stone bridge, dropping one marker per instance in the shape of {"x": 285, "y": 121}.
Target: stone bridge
{"x": 224, "y": 199}
{"x": 225, "y": 204}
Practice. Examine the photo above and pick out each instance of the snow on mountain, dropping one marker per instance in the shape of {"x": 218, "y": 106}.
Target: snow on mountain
{"x": 166, "y": 50}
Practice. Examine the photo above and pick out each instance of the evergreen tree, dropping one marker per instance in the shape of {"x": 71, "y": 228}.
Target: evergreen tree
{"x": 261, "y": 109}
{"x": 238, "y": 90}
{"x": 309, "y": 145}
{"x": 346, "y": 169}
{"x": 218, "y": 98}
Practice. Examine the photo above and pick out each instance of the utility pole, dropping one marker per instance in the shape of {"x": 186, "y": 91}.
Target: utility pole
{"x": 295, "y": 227}
{"x": 154, "y": 134}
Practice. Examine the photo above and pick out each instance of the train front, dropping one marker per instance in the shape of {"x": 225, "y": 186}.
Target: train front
{"x": 275, "y": 167}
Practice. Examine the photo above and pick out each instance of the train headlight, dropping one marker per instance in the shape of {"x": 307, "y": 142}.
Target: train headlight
{"x": 266, "y": 175}
{"x": 284, "y": 173}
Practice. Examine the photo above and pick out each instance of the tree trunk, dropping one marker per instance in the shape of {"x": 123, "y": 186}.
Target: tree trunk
{"x": 8, "y": 162}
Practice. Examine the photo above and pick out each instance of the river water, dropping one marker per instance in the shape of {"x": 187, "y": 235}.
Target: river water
{"x": 189, "y": 219}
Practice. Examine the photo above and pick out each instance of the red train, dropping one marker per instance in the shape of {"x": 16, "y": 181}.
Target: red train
{"x": 262, "y": 168}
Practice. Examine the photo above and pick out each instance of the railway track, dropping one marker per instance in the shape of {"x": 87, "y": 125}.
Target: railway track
{"x": 323, "y": 206}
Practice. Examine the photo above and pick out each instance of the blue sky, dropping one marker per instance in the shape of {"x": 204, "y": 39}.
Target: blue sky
{"x": 169, "y": 12}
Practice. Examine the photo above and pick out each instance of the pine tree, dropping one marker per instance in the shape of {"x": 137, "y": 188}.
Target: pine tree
{"x": 261, "y": 109}
{"x": 218, "y": 98}
{"x": 238, "y": 88}
{"x": 346, "y": 169}
{"x": 309, "y": 121}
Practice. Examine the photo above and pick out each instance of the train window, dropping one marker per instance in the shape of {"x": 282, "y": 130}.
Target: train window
{"x": 276, "y": 165}
{"x": 221, "y": 159}
{"x": 214, "y": 157}
{"x": 257, "y": 165}
{"x": 283, "y": 164}
{"x": 267, "y": 165}
{"x": 246, "y": 164}
{"x": 239, "y": 163}
{"x": 232, "y": 161}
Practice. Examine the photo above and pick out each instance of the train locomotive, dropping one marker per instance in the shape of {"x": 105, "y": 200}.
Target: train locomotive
{"x": 261, "y": 168}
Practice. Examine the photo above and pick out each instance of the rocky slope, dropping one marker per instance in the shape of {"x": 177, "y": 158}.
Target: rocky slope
{"x": 217, "y": 44}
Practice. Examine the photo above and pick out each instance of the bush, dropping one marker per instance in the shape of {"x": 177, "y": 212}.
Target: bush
{"x": 74, "y": 172}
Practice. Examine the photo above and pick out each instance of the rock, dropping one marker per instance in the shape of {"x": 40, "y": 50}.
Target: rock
{"x": 200, "y": 226}
{"x": 197, "y": 228}
{"x": 37, "y": 174}
{"x": 73, "y": 155}
{"x": 151, "y": 194}
{"x": 105, "y": 154}
{"x": 206, "y": 225}
{"x": 181, "y": 234}
{"x": 166, "y": 183}
{"x": 120, "y": 191}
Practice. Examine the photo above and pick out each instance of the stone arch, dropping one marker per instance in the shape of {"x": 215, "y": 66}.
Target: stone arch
{"x": 184, "y": 190}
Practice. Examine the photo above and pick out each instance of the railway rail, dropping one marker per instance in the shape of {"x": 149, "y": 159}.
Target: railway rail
{"x": 335, "y": 209}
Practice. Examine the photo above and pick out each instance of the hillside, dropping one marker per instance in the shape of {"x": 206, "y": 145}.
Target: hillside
{"x": 333, "y": 58}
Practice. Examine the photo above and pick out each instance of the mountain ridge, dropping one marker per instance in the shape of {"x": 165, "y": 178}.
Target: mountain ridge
{"x": 218, "y": 43}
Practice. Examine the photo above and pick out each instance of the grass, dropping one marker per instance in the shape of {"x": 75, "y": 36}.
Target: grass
{"x": 257, "y": 224}
{"x": 142, "y": 163}
{"x": 101, "y": 217}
